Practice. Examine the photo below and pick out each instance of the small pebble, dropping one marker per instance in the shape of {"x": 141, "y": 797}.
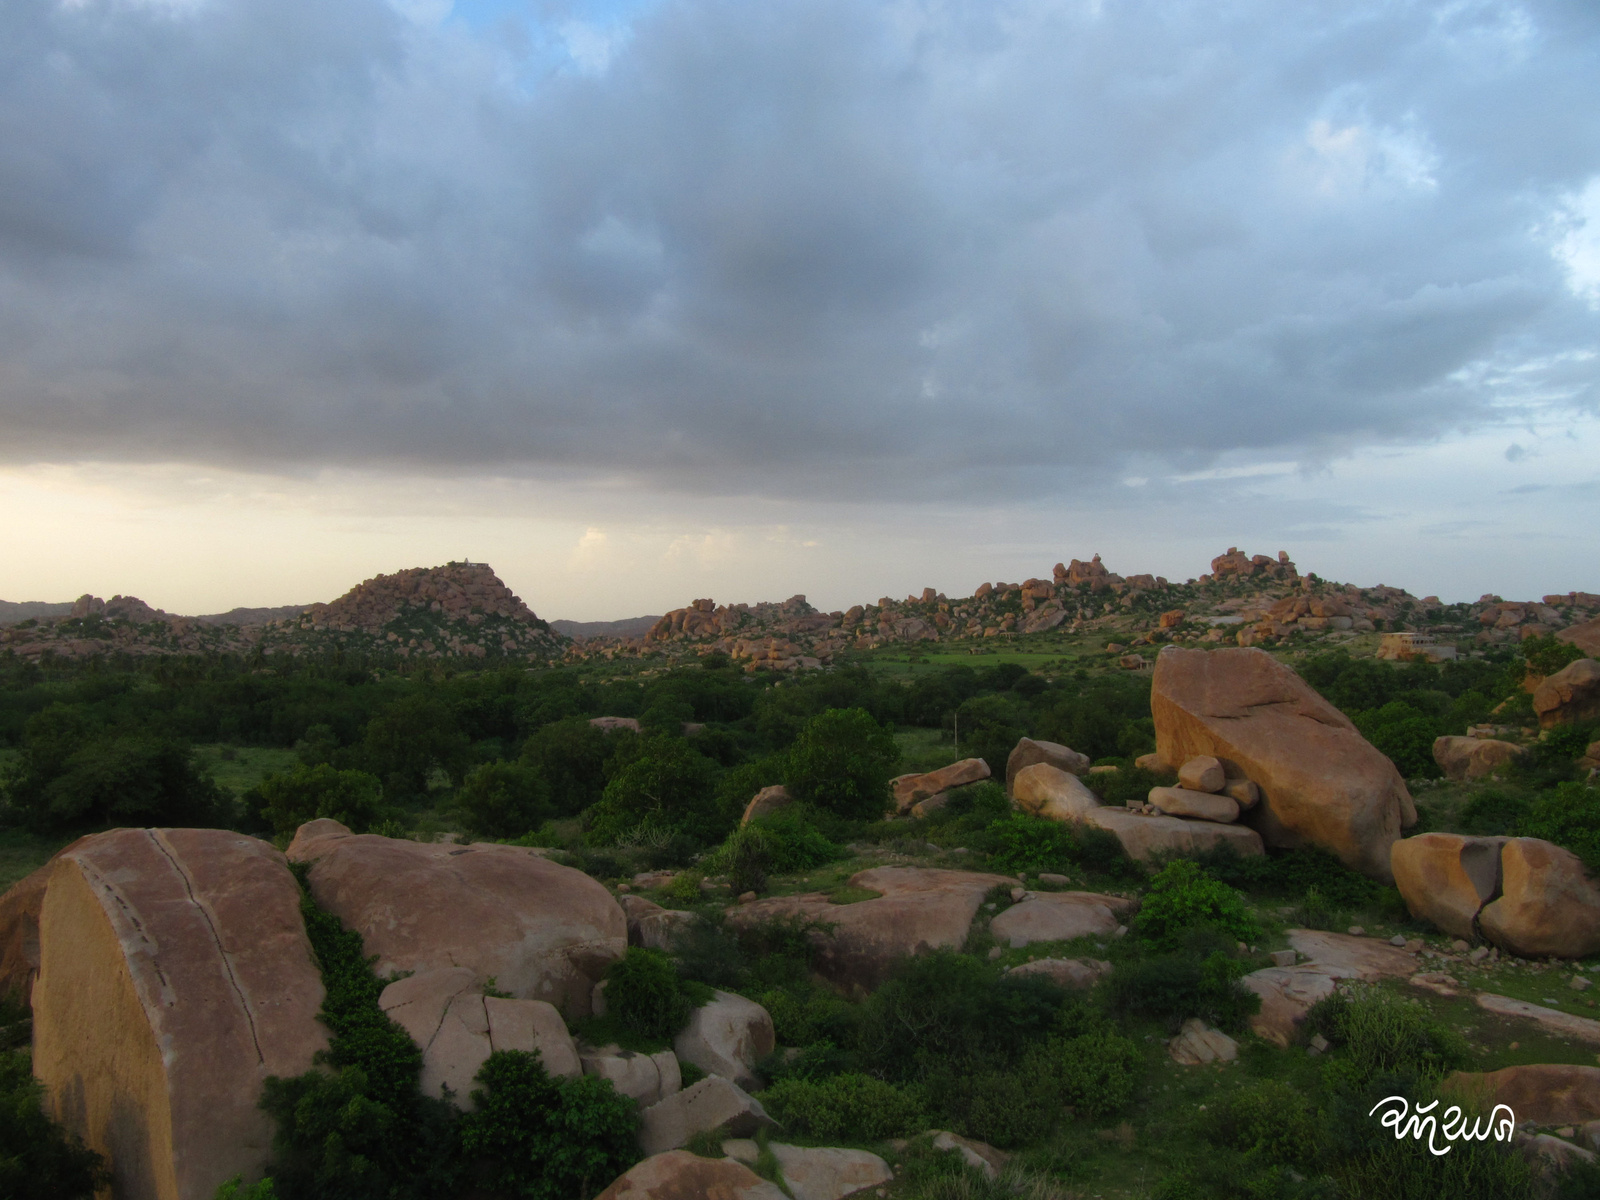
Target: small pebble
{"x": 1579, "y": 983}
{"x": 995, "y": 952}
{"x": 1121, "y": 930}
{"x": 1479, "y": 954}
{"x": 1459, "y": 946}
{"x": 747, "y": 897}
{"x": 1414, "y": 945}
{"x": 1356, "y": 931}
{"x": 623, "y": 887}
{"x": 1398, "y": 939}
{"x": 1017, "y": 894}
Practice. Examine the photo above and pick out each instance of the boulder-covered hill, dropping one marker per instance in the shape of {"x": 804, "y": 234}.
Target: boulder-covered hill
{"x": 457, "y": 610}
{"x": 1246, "y": 600}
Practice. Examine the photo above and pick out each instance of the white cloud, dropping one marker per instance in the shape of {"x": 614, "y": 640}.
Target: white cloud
{"x": 1577, "y": 247}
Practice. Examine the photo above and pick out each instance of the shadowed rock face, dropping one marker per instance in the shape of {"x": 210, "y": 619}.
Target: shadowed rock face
{"x": 544, "y": 931}
{"x": 174, "y": 977}
{"x": 680, "y": 1175}
{"x": 1321, "y": 782}
{"x": 1447, "y": 877}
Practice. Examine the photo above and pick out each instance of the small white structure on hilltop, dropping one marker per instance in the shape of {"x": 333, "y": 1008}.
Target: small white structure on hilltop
{"x": 1401, "y": 647}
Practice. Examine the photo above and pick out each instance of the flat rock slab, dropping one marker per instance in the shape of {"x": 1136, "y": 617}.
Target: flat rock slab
{"x": 1544, "y": 1093}
{"x": 1074, "y": 974}
{"x": 1145, "y": 837}
{"x": 541, "y": 930}
{"x": 1058, "y": 917}
{"x": 174, "y": 977}
{"x": 680, "y": 1175}
{"x": 979, "y": 1155}
{"x": 919, "y": 909}
{"x": 1346, "y": 957}
{"x": 1202, "y": 806}
{"x": 1321, "y": 782}
{"x": 1583, "y": 1028}
{"x": 907, "y": 790}
{"x": 1287, "y": 994}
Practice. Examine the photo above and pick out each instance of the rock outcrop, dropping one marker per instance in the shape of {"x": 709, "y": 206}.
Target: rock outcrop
{"x": 541, "y": 930}
{"x": 1543, "y": 1093}
{"x": 1146, "y": 837}
{"x": 1073, "y": 974}
{"x": 1321, "y": 782}
{"x": 817, "y": 1173}
{"x": 457, "y": 1027}
{"x": 652, "y": 926}
{"x": 909, "y": 790}
{"x": 1058, "y": 917}
{"x": 1570, "y": 696}
{"x": 645, "y": 1078}
{"x": 918, "y": 909}
{"x": 1202, "y": 806}
{"x": 713, "y": 1103}
{"x": 1466, "y": 758}
{"x": 174, "y": 977}
{"x": 766, "y": 802}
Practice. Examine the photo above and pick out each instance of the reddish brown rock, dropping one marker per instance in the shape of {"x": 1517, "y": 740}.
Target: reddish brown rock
{"x": 1464, "y": 758}
{"x": 1029, "y": 751}
{"x": 1344, "y": 956}
{"x": 1146, "y": 838}
{"x": 919, "y": 909}
{"x": 1074, "y": 974}
{"x": 174, "y": 977}
{"x": 1058, "y": 917}
{"x": 1570, "y": 696}
{"x": 1321, "y": 782}
{"x": 543, "y": 931}
{"x": 680, "y": 1175}
{"x": 1287, "y": 994}
{"x": 1202, "y": 806}
{"x": 766, "y": 802}
{"x": 1447, "y": 878}
{"x": 19, "y": 929}
{"x": 1203, "y": 773}
{"x": 612, "y": 724}
{"x": 909, "y": 789}
{"x": 1544, "y": 1093}
{"x": 1547, "y": 905}
{"x": 1585, "y": 636}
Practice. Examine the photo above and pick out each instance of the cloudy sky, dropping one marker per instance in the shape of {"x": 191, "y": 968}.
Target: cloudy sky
{"x": 643, "y": 300}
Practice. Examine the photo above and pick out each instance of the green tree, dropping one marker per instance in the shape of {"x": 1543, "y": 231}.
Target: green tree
{"x": 504, "y": 799}
{"x": 287, "y": 801}
{"x": 669, "y": 787}
{"x": 409, "y": 740}
{"x": 573, "y": 757}
{"x": 38, "y": 1159}
{"x": 842, "y": 761}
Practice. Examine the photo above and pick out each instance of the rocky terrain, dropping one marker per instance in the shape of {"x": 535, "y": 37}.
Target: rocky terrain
{"x": 1246, "y": 600}
{"x": 457, "y": 610}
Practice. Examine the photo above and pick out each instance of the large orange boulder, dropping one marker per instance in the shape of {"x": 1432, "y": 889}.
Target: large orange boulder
{"x": 1447, "y": 878}
{"x": 1050, "y": 792}
{"x": 1547, "y": 904}
{"x": 1585, "y": 636}
{"x": 1029, "y": 751}
{"x": 917, "y": 909}
{"x": 1465, "y": 758}
{"x": 541, "y": 930}
{"x": 19, "y": 929}
{"x": 1570, "y": 696}
{"x": 174, "y": 977}
{"x": 1321, "y": 782}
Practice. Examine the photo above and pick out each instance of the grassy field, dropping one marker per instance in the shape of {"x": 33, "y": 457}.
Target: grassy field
{"x": 239, "y": 768}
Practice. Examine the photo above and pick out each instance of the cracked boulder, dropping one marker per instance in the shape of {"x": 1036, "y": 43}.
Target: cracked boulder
{"x": 713, "y": 1103}
{"x": 727, "y": 1036}
{"x": 1447, "y": 878}
{"x": 1321, "y": 782}
{"x": 1570, "y": 696}
{"x": 647, "y": 1078}
{"x": 1547, "y": 905}
{"x": 910, "y": 790}
{"x": 457, "y": 1028}
{"x": 174, "y": 977}
{"x": 541, "y": 931}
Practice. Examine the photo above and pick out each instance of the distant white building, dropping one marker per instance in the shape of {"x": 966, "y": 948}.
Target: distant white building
{"x": 1401, "y": 647}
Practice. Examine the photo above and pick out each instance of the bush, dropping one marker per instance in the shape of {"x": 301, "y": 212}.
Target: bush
{"x": 353, "y": 798}
{"x": 1380, "y": 1034}
{"x": 572, "y": 757}
{"x": 1183, "y": 897}
{"x": 1493, "y": 813}
{"x": 544, "y": 1138}
{"x": 1546, "y": 654}
{"x": 645, "y": 996}
{"x": 1003, "y": 1108}
{"x": 842, "y": 762}
{"x": 1406, "y": 735}
{"x": 1291, "y": 873}
{"x": 851, "y": 1107}
{"x": 666, "y": 788}
{"x": 1188, "y": 983}
{"x": 504, "y": 800}
{"x": 1095, "y": 1073}
{"x": 783, "y": 842}
{"x": 1025, "y": 844}
{"x": 1568, "y": 815}
{"x": 1270, "y": 1122}
{"x": 38, "y": 1159}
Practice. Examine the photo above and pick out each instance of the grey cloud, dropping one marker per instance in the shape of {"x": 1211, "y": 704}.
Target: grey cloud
{"x": 830, "y": 249}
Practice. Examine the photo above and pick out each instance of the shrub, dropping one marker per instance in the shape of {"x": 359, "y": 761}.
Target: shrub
{"x": 667, "y": 787}
{"x": 38, "y": 1159}
{"x": 1271, "y": 1122}
{"x": 842, "y": 762}
{"x": 1291, "y": 873}
{"x": 850, "y": 1106}
{"x": 1380, "y": 1034}
{"x": 1406, "y": 735}
{"x": 409, "y": 740}
{"x": 1188, "y": 983}
{"x": 286, "y": 802}
{"x": 1028, "y": 844}
{"x": 504, "y": 799}
{"x": 1096, "y": 1073}
{"x": 1003, "y": 1108}
{"x": 1568, "y": 815}
{"x": 1546, "y": 654}
{"x": 1492, "y": 813}
{"x": 544, "y": 1138}
{"x": 1126, "y": 783}
{"x": 1183, "y": 897}
{"x": 645, "y": 996}
{"x": 572, "y": 757}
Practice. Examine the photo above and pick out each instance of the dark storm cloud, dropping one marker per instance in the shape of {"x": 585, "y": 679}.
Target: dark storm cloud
{"x": 812, "y": 247}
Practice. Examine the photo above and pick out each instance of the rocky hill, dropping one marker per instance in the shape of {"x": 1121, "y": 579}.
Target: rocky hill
{"x": 457, "y": 610}
{"x": 1244, "y": 600}
{"x": 627, "y": 627}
